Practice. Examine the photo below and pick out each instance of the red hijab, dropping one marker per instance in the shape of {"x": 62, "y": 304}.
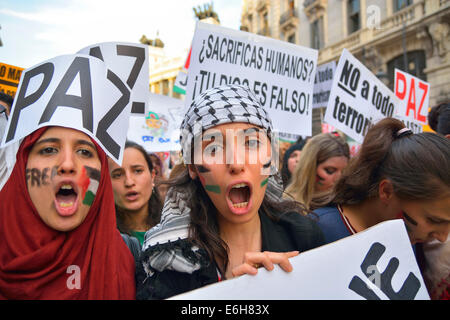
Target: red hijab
{"x": 38, "y": 262}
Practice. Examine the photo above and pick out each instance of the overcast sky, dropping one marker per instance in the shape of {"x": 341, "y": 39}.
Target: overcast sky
{"x": 36, "y": 30}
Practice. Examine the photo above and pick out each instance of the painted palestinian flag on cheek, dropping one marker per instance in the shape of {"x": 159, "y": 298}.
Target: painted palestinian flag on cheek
{"x": 89, "y": 181}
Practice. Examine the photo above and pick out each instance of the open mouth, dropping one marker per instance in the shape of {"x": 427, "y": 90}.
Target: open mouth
{"x": 239, "y": 197}
{"x": 66, "y": 199}
{"x": 131, "y": 196}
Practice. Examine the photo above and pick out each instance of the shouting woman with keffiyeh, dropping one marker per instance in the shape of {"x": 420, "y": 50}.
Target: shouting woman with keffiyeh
{"x": 224, "y": 215}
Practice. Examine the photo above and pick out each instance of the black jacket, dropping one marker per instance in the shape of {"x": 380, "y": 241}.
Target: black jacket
{"x": 291, "y": 232}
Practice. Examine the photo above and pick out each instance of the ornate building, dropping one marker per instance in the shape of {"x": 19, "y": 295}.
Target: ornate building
{"x": 164, "y": 69}
{"x": 412, "y": 35}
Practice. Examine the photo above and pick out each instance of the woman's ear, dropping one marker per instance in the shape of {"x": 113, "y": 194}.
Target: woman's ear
{"x": 192, "y": 171}
{"x": 385, "y": 191}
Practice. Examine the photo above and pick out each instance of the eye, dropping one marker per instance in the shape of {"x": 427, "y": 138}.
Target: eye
{"x": 116, "y": 174}
{"x": 85, "y": 153}
{"x": 330, "y": 170}
{"x": 434, "y": 220}
{"x": 138, "y": 170}
{"x": 213, "y": 148}
{"x": 48, "y": 151}
{"x": 253, "y": 143}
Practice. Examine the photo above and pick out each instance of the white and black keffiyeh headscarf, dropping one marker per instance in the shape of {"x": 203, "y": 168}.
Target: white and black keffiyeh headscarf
{"x": 224, "y": 104}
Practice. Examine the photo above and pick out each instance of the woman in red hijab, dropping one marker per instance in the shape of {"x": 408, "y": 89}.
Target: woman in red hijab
{"x": 58, "y": 231}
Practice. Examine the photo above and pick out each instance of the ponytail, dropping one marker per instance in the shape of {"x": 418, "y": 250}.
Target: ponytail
{"x": 418, "y": 165}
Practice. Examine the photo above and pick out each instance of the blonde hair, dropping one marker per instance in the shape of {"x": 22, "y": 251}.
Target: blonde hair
{"x": 317, "y": 150}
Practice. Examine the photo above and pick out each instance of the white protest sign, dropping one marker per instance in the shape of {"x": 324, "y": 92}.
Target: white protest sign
{"x": 322, "y": 84}
{"x": 414, "y": 96}
{"x": 74, "y": 91}
{"x": 358, "y": 98}
{"x": 378, "y": 263}
{"x": 131, "y": 63}
{"x": 159, "y": 130}
{"x": 280, "y": 74}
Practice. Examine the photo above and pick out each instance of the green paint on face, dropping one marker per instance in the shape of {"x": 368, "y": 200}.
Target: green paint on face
{"x": 212, "y": 188}
{"x": 264, "y": 182}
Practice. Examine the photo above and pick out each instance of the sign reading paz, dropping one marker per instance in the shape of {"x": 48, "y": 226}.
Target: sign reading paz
{"x": 376, "y": 264}
{"x": 414, "y": 95}
{"x": 280, "y": 74}
{"x": 74, "y": 91}
{"x": 358, "y": 98}
{"x": 130, "y": 62}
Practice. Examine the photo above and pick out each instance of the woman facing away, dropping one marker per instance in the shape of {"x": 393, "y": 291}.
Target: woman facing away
{"x": 323, "y": 159}
{"x": 218, "y": 220}
{"x": 138, "y": 205}
{"x": 396, "y": 174}
{"x": 58, "y": 231}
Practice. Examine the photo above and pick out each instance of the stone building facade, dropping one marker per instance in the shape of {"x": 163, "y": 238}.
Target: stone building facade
{"x": 411, "y": 35}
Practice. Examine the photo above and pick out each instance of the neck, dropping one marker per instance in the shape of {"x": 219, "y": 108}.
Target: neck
{"x": 246, "y": 236}
{"x": 240, "y": 238}
{"x": 364, "y": 215}
{"x": 136, "y": 220}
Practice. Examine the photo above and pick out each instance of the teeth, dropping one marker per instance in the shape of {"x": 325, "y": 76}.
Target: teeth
{"x": 66, "y": 204}
{"x": 240, "y": 185}
{"x": 66, "y": 187}
{"x": 240, "y": 205}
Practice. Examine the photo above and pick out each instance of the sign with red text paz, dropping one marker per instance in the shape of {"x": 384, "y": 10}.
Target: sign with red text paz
{"x": 414, "y": 95}
{"x": 9, "y": 78}
{"x": 358, "y": 98}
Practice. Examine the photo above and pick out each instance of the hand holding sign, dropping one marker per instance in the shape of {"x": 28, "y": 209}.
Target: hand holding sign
{"x": 74, "y": 91}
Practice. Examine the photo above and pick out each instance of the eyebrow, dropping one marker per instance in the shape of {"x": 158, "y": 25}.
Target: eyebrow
{"x": 57, "y": 140}
{"x": 251, "y": 130}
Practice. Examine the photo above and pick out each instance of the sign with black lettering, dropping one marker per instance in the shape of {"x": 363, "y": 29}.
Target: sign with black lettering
{"x": 322, "y": 84}
{"x": 130, "y": 62}
{"x": 375, "y": 264}
{"x": 358, "y": 98}
{"x": 159, "y": 130}
{"x": 9, "y": 78}
{"x": 280, "y": 74}
{"x": 414, "y": 96}
{"x": 74, "y": 91}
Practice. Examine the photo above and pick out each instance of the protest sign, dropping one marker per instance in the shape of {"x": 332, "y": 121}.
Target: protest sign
{"x": 376, "y": 264}
{"x": 131, "y": 63}
{"x": 9, "y": 78}
{"x": 414, "y": 95}
{"x": 181, "y": 80}
{"x": 159, "y": 130}
{"x": 74, "y": 91}
{"x": 280, "y": 74}
{"x": 358, "y": 98}
{"x": 322, "y": 84}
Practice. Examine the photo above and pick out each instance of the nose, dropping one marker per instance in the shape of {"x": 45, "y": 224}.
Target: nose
{"x": 67, "y": 162}
{"x": 235, "y": 159}
{"x": 129, "y": 181}
{"x": 441, "y": 236}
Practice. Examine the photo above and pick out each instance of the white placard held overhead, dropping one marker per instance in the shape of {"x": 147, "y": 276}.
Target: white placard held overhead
{"x": 376, "y": 264}
{"x": 73, "y": 91}
{"x": 131, "y": 63}
{"x": 322, "y": 84}
{"x": 159, "y": 130}
{"x": 414, "y": 96}
{"x": 280, "y": 74}
{"x": 358, "y": 98}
